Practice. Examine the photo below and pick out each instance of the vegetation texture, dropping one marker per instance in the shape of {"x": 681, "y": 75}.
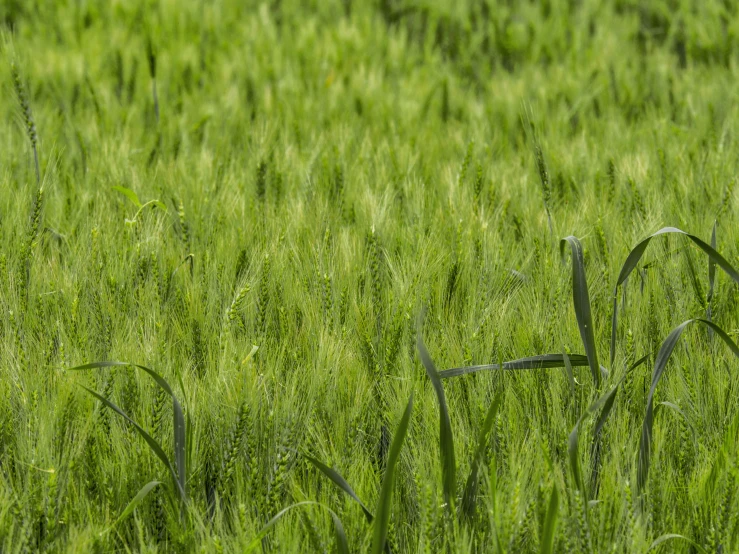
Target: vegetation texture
{"x": 388, "y": 276}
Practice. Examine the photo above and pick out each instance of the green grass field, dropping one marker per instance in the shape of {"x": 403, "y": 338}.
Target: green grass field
{"x": 274, "y": 207}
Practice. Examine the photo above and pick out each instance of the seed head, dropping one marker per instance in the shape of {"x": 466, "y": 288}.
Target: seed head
{"x": 20, "y": 92}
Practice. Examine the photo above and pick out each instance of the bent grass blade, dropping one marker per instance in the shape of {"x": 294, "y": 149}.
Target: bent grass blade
{"x": 636, "y": 254}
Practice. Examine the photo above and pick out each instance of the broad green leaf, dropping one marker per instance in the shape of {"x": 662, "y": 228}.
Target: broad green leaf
{"x": 446, "y": 438}
{"x": 382, "y": 513}
{"x": 581, "y": 300}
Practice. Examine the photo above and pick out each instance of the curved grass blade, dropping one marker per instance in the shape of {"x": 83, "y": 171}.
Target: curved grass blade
{"x": 146, "y": 489}
{"x": 605, "y": 404}
{"x": 663, "y": 356}
{"x": 446, "y": 438}
{"x": 341, "y": 542}
{"x": 180, "y": 436}
{"x": 574, "y": 438}
{"x": 383, "y": 503}
{"x": 469, "y": 496}
{"x": 605, "y": 412}
{"x": 190, "y": 258}
{"x": 550, "y": 524}
{"x": 340, "y": 482}
{"x": 635, "y": 255}
{"x": 670, "y": 536}
{"x": 155, "y": 203}
{"x": 581, "y": 300}
{"x": 712, "y": 265}
{"x": 153, "y": 444}
{"x": 595, "y": 446}
{"x": 711, "y": 280}
{"x": 542, "y": 361}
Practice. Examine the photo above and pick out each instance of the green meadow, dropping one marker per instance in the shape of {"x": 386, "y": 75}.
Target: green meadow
{"x": 369, "y": 276}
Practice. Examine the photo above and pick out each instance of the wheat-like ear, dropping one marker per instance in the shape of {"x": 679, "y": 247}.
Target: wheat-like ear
{"x": 27, "y": 114}
{"x": 35, "y": 216}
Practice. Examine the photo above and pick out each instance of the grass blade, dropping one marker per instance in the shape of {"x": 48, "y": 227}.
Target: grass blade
{"x": 180, "y": 445}
{"x": 670, "y": 536}
{"x": 635, "y": 255}
{"x": 470, "y": 489}
{"x": 180, "y": 437}
{"x": 383, "y": 503}
{"x": 595, "y": 446}
{"x": 712, "y": 265}
{"x": 711, "y": 280}
{"x": 574, "y": 438}
{"x": 605, "y": 404}
{"x": 663, "y": 356}
{"x": 550, "y": 524}
{"x": 602, "y": 418}
{"x": 340, "y": 482}
{"x": 543, "y": 361}
{"x": 146, "y": 489}
{"x": 581, "y": 300}
{"x": 153, "y": 444}
{"x": 574, "y": 456}
{"x": 446, "y": 438}
{"x": 341, "y": 542}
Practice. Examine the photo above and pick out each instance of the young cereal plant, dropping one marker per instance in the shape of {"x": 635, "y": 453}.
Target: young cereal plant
{"x": 176, "y": 466}
{"x": 604, "y": 403}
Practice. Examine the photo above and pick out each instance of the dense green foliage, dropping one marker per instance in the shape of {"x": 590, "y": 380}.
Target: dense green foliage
{"x": 310, "y": 178}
